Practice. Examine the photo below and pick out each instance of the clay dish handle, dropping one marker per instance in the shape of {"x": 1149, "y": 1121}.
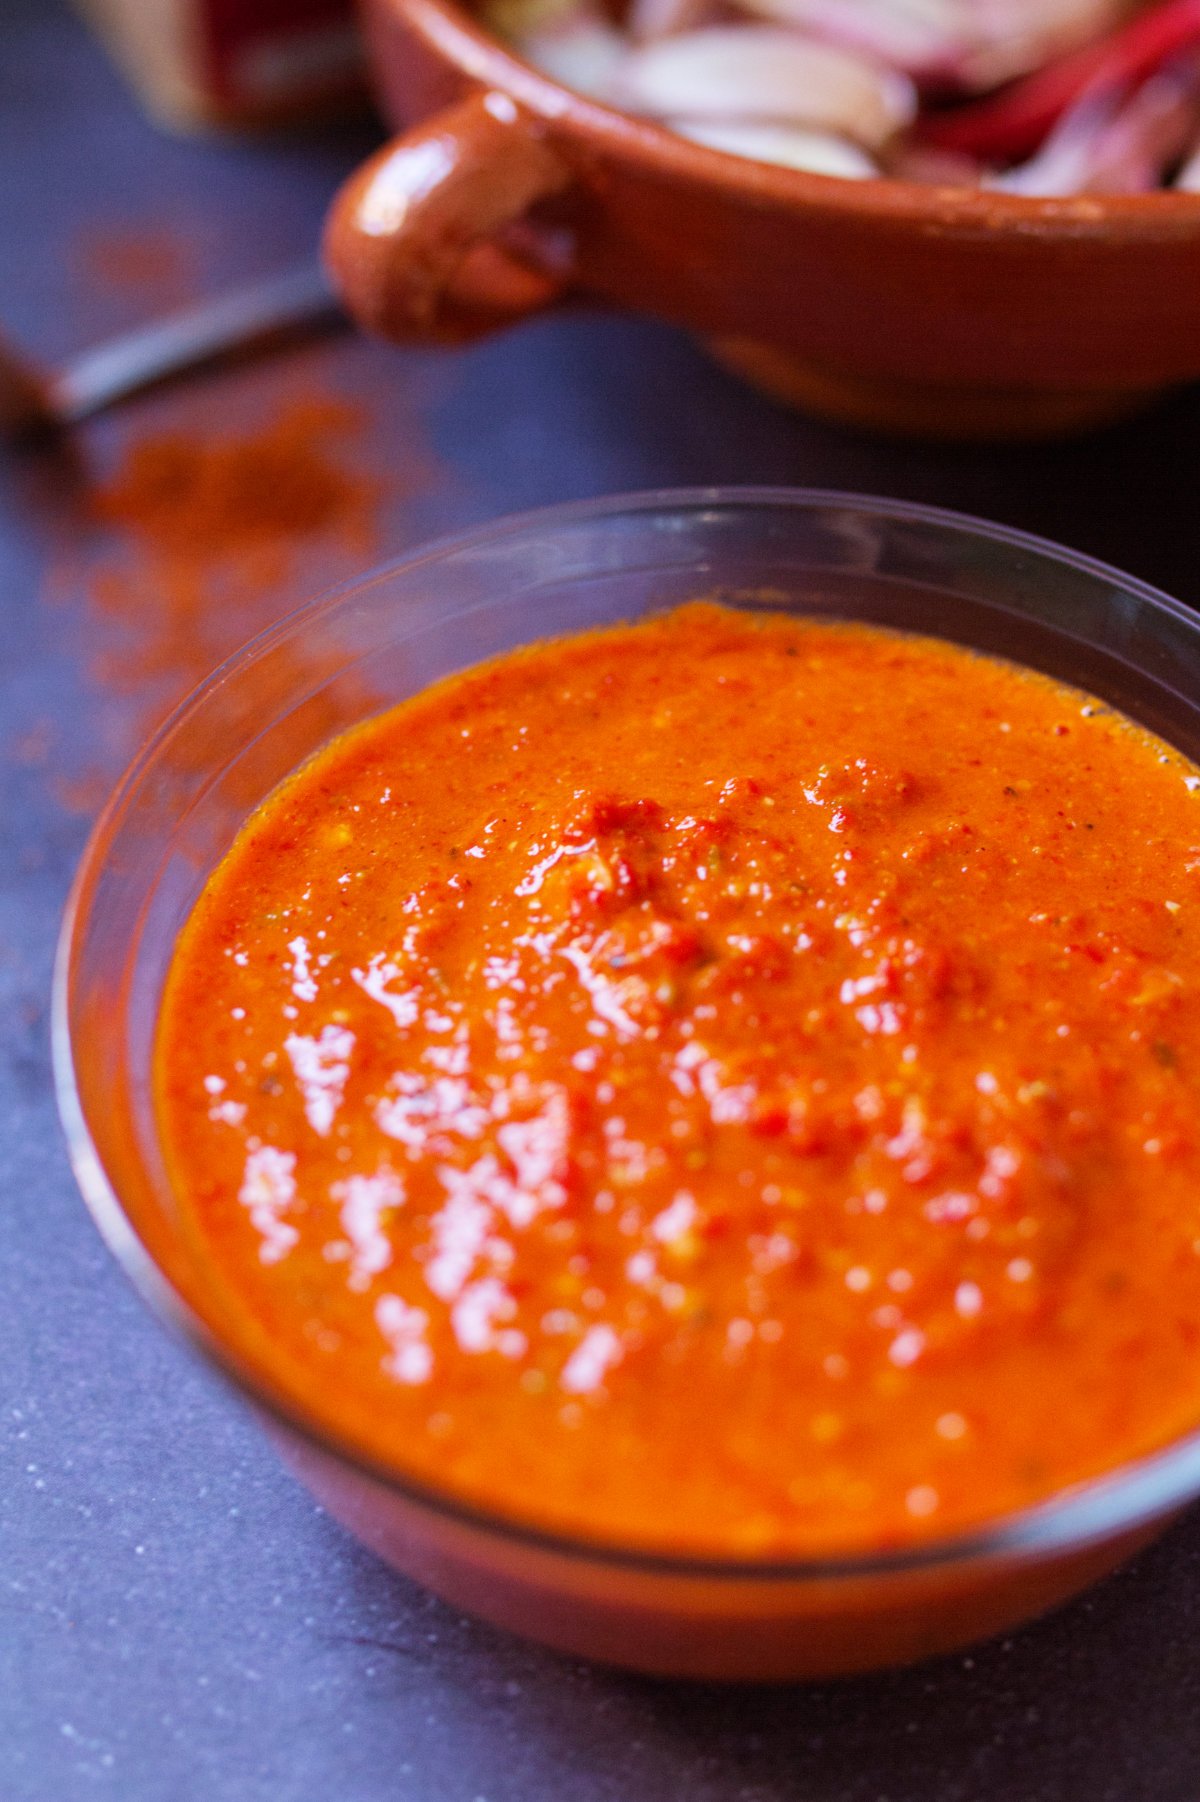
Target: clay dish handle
{"x": 419, "y": 241}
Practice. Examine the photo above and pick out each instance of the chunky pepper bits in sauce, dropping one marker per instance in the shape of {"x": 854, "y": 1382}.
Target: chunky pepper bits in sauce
{"x": 722, "y": 1083}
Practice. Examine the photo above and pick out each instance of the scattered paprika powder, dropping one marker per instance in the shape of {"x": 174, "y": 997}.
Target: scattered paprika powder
{"x": 200, "y": 538}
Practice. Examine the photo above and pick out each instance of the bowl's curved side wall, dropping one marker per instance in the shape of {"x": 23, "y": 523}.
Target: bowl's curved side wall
{"x": 706, "y": 1628}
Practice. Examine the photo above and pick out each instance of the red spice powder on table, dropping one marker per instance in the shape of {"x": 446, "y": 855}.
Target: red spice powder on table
{"x": 188, "y": 499}
{"x": 183, "y": 543}
{"x": 201, "y": 537}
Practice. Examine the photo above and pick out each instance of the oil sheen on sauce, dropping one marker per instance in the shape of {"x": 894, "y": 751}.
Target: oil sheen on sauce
{"x": 727, "y": 1083}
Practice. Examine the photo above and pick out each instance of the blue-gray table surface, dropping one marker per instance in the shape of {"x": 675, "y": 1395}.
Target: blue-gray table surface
{"x": 178, "y": 1621}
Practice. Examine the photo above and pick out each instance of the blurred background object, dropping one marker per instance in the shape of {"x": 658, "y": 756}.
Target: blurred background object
{"x": 199, "y": 63}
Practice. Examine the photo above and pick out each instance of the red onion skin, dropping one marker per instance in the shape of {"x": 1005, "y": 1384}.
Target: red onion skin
{"x": 1012, "y": 124}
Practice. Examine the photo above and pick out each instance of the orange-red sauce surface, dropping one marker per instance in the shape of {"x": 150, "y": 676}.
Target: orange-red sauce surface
{"x": 724, "y": 1083}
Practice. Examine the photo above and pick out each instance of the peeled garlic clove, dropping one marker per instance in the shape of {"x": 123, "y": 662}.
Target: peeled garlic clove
{"x": 971, "y": 44}
{"x": 582, "y": 53}
{"x": 927, "y": 39}
{"x": 1013, "y": 37}
{"x": 818, "y": 152}
{"x": 758, "y": 72}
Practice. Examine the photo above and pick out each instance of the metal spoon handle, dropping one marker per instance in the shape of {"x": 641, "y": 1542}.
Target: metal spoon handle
{"x": 91, "y": 381}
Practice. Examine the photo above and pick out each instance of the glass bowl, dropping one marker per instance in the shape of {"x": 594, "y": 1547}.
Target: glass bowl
{"x": 347, "y": 657}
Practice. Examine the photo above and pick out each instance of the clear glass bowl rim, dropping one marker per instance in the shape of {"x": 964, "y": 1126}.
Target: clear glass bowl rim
{"x": 1117, "y": 1502}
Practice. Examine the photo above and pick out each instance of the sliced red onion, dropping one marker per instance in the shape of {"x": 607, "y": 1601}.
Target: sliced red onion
{"x": 1150, "y": 133}
{"x": 817, "y": 152}
{"x": 1188, "y": 178}
{"x": 1013, "y": 123}
{"x": 1012, "y": 37}
{"x": 756, "y": 72}
{"x": 1113, "y": 141}
{"x": 1063, "y": 163}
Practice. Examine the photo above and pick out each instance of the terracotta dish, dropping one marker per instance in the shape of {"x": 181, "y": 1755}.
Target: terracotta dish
{"x": 934, "y": 310}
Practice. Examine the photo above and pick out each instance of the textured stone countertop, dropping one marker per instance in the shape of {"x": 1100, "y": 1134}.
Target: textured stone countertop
{"x": 178, "y": 1621}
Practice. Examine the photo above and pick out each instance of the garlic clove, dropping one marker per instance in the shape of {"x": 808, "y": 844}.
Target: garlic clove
{"x": 928, "y": 39}
{"x": 967, "y": 44}
{"x": 817, "y": 152}
{"x": 1014, "y": 37}
{"x": 757, "y": 72}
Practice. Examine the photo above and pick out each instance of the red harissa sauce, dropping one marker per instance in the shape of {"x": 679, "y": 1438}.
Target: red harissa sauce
{"x": 723, "y": 1084}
